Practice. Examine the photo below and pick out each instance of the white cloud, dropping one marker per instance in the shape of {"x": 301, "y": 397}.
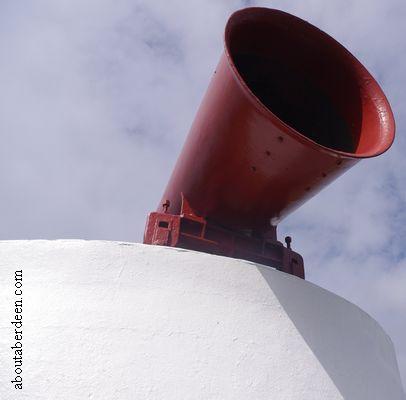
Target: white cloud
{"x": 97, "y": 98}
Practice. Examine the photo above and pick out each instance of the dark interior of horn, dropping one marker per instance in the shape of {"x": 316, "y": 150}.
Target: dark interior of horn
{"x": 301, "y": 75}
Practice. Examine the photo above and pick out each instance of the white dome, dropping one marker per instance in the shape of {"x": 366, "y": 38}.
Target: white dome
{"x": 107, "y": 320}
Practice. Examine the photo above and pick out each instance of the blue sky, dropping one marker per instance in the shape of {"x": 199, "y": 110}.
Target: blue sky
{"x": 98, "y": 96}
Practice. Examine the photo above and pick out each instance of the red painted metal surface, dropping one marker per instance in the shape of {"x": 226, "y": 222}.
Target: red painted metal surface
{"x": 288, "y": 110}
{"x": 190, "y": 231}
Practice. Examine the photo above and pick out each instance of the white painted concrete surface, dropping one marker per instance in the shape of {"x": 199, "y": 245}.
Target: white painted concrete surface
{"x": 107, "y": 320}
